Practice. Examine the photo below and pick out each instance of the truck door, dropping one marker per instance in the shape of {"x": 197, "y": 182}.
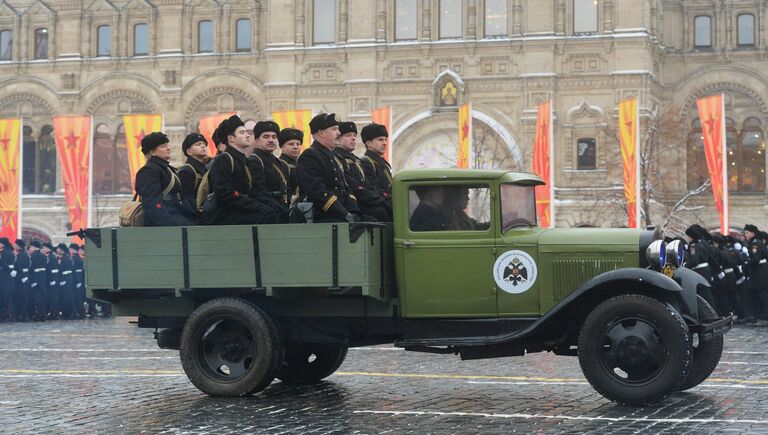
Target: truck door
{"x": 447, "y": 252}
{"x": 516, "y": 271}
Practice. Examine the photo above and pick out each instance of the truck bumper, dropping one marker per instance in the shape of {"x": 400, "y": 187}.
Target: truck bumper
{"x": 713, "y": 329}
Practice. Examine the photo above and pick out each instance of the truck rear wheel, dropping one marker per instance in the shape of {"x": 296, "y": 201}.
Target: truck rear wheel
{"x": 706, "y": 354}
{"x": 634, "y": 350}
{"x": 307, "y": 366}
{"x": 230, "y": 348}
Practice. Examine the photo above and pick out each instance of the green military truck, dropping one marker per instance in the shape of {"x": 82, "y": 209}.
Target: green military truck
{"x": 464, "y": 270}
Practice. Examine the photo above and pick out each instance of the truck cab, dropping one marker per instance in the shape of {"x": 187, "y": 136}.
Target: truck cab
{"x": 463, "y": 269}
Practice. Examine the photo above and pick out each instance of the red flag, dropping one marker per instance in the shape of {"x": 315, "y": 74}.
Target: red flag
{"x": 73, "y": 145}
{"x": 383, "y": 116}
{"x": 206, "y": 126}
{"x": 542, "y": 152}
{"x": 10, "y": 195}
{"x": 298, "y": 119}
{"x": 628, "y": 136}
{"x": 712, "y": 114}
{"x": 465, "y": 135}
{"x": 136, "y": 127}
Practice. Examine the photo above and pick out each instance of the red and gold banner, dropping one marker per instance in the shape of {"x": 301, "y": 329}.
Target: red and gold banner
{"x": 73, "y": 145}
{"x": 542, "y": 161}
{"x": 136, "y": 127}
{"x": 298, "y": 119}
{"x": 628, "y": 138}
{"x": 383, "y": 116}
{"x": 465, "y": 136}
{"x": 10, "y": 198}
{"x": 206, "y": 126}
{"x": 712, "y": 115}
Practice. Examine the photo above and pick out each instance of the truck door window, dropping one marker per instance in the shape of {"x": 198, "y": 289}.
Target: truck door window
{"x": 518, "y": 206}
{"x": 449, "y": 208}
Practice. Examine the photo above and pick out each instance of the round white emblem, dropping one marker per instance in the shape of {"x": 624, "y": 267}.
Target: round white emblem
{"x": 515, "y": 271}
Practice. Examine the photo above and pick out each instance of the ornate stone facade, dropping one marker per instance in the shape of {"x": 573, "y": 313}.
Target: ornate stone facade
{"x": 645, "y": 48}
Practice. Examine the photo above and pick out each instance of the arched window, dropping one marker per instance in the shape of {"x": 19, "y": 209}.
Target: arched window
{"x": 745, "y": 152}
{"x": 140, "y": 39}
{"x": 746, "y": 25}
{"x": 702, "y": 36}
{"x": 104, "y": 41}
{"x": 243, "y": 35}
{"x": 41, "y": 44}
{"x": 586, "y": 153}
{"x": 110, "y": 161}
{"x": 205, "y": 36}
{"x": 6, "y": 45}
{"x": 39, "y": 171}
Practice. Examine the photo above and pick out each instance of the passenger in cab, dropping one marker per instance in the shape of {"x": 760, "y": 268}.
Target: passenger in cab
{"x": 428, "y": 214}
{"x": 455, "y": 208}
{"x": 159, "y": 187}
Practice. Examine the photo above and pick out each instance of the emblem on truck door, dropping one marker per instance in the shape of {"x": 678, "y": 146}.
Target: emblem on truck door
{"x": 515, "y": 271}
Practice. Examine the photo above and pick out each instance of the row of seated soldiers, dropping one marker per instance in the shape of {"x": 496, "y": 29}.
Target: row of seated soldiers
{"x": 737, "y": 268}
{"x": 40, "y": 282}
{"x": 246, "y": 183}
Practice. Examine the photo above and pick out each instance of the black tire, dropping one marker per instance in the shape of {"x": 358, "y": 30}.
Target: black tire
{"x": 230, "y": 348}
{"x": 308, "y": 366}
{"x": 634, "y": 350}
{"x": 706, "y": 355}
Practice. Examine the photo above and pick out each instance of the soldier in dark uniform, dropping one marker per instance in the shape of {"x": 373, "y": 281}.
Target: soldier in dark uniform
{"x": 53, "y": 304}
{"x": 378, "y": 171}
{"x": 703, "y": 260}
{"x": 290, "y": 147}
{"x": 195, "y": 147}
{"x": 66, "y": 282}
{"x": 7, "y": 280}
{"x": 159, "y": 187}
{"x": 232, "y": 181}
{"x": 757, "y": 267}
{"x": 725, "y": 287}
{"x": 276, "y": 189}
{"x": 370, "y": 203}
{"x": 78, "y": 279}
{"x": 21, "y": 266}
{"x": 38, "y": 288}
{"x": 321, "y": 180}
{"x": 428, "y": 215}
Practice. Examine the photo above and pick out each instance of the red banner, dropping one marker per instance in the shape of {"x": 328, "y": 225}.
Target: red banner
{"x": 73, "y": 145}
{"x": 542, "y": 153}
{"x": 10, "y": 197}
{"x": 712, "y": 115}
{"x": 628, "y": 136}
{"x": 298, "y": 119}
{"x": 465, "y": 136}
{"x": 206, "y": 126}
{"x": 136, "y": 127}
{"x": 383, "y": 116}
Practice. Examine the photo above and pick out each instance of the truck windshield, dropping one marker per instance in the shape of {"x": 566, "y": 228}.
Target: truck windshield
{"x": 518, "y": 206}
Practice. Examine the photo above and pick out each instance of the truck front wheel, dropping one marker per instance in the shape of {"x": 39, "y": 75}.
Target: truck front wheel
{"x": 634, "y": 350}
{"x": 230, "y": 348}
{"x": 307, "y": 366}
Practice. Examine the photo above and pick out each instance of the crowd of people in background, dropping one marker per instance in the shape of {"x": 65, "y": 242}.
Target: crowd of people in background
{"x": 41, "y": 282}
{"x": 736, "y": 267}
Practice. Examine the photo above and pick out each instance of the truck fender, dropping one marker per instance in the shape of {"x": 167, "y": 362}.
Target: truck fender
{"x": 692, "y": 284}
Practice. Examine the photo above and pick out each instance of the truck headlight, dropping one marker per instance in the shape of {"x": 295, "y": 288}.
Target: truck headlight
{"x": 674, "y": 253}
{"x": 656, "y": 254}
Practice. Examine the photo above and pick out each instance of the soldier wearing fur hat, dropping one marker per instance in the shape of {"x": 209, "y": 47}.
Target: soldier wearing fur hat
{"x": 78, "y": 278}
{"x": 195, "y": 148}
{"x": 757, "y": 266}
{"x": 377, "y": 170}
{"x": 21, "y": 266}
{"x": 52, "y": 277}
{"x": 38, "y": 288}
{"x": 703, "y": 260}
{"x": 368, "y": 200}
{"x": 274, "y": 172}
{"x": 725, "y": 287}
{"x": 159, "y": 187}
{"x": 321, "y": 180}
{"x": 7, "y": 280}
{"x": 290, "y": 147}
{"x": 232, "y": 182}
{"x": 66, "y": 283}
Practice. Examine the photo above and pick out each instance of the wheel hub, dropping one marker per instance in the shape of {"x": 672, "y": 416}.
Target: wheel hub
{"x": 632, "y": 351}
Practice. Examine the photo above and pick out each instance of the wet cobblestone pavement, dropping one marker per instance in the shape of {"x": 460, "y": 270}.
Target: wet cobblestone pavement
{"x": 100, "y": 376}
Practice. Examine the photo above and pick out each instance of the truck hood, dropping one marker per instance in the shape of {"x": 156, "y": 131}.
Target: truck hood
{"x": 613, "y": 239}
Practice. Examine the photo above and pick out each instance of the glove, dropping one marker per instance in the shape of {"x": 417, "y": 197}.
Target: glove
{"x": 14, "y": 273}
{"x": 24, "y": 280}
{"x": 721, "y": 275}
{"x": 352, "y": 218}
{"x": 34, "y": 284}
{"x": 745, "y": 250}
{"x": 741, "y": 281}
{"x": 737, "y": 246}
{"x": 52, "y": 283}
{"x": 62, "y": 283}
{"x": 78, "y": 285}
